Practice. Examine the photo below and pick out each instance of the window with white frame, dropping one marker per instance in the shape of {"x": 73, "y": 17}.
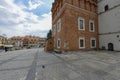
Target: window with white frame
{"x": 59, "y": 25}
{"x": 91, "y": 26}
{"x": 54, "y": 42}
{"x": 58, "y": 43}
{"x": 93, "y": 42}
{"x": 81, "y": 42}
{"x": 81, "y": 23}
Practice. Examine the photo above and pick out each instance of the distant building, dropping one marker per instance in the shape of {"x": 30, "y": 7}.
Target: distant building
{"x": 33, "y": 41}
{"x": 2, "y": 41}
{"x": 75, "y": 25}
{"x": 26, "y": 42}
{"x": 42, "y": 42}
{"x": 16, "y": 41}
{"x": 109, "y": 24}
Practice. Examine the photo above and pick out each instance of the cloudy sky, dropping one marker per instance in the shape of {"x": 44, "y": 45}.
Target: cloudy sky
{"x": 25, "y": 17}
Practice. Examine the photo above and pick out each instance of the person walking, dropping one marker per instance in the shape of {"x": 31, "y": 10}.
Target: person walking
{"x": 6, "y": 49}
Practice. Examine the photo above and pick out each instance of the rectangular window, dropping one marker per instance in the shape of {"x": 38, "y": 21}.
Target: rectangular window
{"x": 54, "y": 42}
{"x": 93, "y": 43}
{"x": 91, "y": 26}
{"x": 81, "y": 42}
{"x": 59, "y": 25}
{"x": 54, "y": 29}
{"x": 81, "y": 23}
{"x": 58, "y": 43}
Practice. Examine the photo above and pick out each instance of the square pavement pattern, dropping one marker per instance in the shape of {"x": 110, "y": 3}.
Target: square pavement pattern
{"x": 36, "y": 64}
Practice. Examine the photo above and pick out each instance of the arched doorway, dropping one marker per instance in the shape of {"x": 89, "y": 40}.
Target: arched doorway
{"x": 110, "y": 47}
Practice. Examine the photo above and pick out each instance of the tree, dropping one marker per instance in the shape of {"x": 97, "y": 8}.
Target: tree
{"x": 49, "y": 34}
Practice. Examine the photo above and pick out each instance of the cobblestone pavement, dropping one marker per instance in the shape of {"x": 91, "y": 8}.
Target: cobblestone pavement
{"x": 87, "y": 65}
{"x": 35, "y": 64}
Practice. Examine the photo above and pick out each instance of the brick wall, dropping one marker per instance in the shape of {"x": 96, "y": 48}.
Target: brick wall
{"x": 69, "y": 34}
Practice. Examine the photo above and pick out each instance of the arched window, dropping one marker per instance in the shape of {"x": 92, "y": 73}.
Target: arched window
{"x": 106, "y": 7}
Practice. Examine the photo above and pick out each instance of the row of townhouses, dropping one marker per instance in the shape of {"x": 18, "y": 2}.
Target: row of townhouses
{"x": 2, "y": 41}
{"x": 18, "y": 42}
{"x": 86, "y": 24}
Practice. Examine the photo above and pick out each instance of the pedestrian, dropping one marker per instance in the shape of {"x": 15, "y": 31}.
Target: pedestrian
{"x": 5, "y": 49}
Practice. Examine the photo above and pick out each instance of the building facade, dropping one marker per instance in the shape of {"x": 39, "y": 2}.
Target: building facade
{"x": 33, "y": 42}
{"x": 75, "y": 25}
{"x": 16, "y": 41}
{"x": 109, "y": 24}
{"x": 3, "y": 41}
{"x": 19, "y": 42}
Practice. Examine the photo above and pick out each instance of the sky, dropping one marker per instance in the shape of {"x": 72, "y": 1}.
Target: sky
{"x": 25, "y": 17}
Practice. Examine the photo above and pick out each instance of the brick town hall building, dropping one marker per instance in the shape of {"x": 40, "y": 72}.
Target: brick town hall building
{"x": 75, "y": 25}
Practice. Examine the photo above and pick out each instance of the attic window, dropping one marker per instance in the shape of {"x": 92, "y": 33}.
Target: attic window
{"x": 106, "y": 7}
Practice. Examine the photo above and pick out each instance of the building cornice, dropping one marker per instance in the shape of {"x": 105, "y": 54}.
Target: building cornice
{"x": 109, "y": 33}
{"x": 81, "y": 9}
{"x": 109, "y": 9}
{"x": 67, "y": 4}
